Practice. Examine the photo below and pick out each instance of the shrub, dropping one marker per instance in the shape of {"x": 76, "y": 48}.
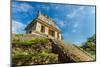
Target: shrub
{"x": 18, "y": 34}
{"x": 20, "y": 57}
{"x": 22, "y": 43}
{"x": 35, "y": 58}
{"x": 40, "y": 40}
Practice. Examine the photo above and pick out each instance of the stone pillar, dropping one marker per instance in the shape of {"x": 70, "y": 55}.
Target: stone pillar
{"x": 46, "y": 30}
{"x": 38, "y": 27}
{"x": 59, "y": 36}
{"x": 55, "y": 34}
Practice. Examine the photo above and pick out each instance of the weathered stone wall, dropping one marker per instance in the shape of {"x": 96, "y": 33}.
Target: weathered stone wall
{"x": 38, "y": 27}
{"x": 46, "y": 30}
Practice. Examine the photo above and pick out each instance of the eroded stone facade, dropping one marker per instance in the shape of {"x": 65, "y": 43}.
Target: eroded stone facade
{"x": 43, "y": 24}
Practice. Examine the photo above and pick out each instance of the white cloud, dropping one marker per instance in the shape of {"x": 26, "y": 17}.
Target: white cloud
{"x": 62, "y": 24}
{"x": 76, "y": 12}
{"x": 77, "y": 43}
{"x": 75, "y": 25}
{"x": 18, "y": 27}
{"x": 23, "y": 7}
{"x": 45, "y": 7}
{"x": 81, "y": 8}
{"x": 71, "y": 15}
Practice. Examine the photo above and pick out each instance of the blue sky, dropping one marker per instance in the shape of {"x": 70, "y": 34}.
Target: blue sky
{"x": 77, "y": 22}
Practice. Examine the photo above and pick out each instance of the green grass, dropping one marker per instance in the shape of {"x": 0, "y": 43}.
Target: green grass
{"x": 41, "y": 40}
{"x": 35, "y": 58}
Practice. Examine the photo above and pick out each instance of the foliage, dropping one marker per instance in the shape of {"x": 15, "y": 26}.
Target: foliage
{"x": 35, "y": 58}
{"x": 19, "y": 58}
{"x": 18, "y": 41}
{"x": 90, "y": 45}
{"x": 19, "y": 34}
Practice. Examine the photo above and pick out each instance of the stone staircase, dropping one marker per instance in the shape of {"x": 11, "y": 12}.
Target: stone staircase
{"x": 73, "y": 52}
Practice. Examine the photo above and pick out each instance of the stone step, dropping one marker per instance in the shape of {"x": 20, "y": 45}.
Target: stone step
{"x": 74, "y": 51}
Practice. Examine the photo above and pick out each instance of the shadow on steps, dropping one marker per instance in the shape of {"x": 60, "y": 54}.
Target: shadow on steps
{"x": 69, "y": 53}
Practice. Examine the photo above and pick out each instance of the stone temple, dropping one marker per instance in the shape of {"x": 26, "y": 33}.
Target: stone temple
{"x": 44, "y": 25}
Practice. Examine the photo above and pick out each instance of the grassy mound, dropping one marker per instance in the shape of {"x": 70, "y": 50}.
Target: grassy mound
{"x": 37, "y": 50}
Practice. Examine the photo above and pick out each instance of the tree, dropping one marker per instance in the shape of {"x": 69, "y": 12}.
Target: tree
{"x": 90, "y": 45}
